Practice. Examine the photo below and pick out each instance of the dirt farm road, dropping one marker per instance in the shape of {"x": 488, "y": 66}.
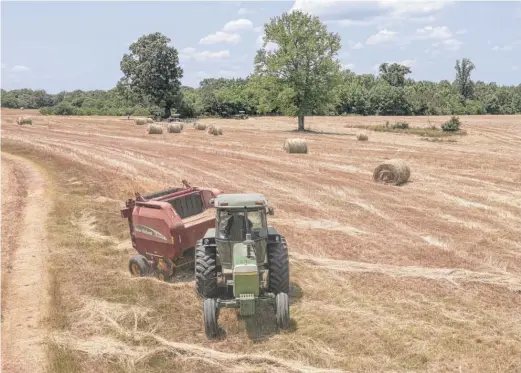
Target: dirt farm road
{"x": 24, "y": 271}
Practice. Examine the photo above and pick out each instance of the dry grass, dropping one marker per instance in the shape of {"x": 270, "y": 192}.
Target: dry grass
{"x": 432, "y": 132}
{"x": 419, "y": 278}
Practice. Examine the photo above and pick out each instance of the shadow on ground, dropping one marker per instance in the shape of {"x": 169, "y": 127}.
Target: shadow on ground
{"x": 313, "y": 132}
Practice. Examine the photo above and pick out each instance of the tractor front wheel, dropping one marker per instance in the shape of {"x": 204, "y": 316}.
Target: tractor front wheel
{"x": 205, "y": 272}
{"x": 210, "y": 315}
{"x": 138, "y": 266}
{"x": 278, "y": 263}
{"x": 282, "y": 310}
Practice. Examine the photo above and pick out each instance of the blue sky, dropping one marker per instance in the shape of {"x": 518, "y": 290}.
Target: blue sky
{"x": 78, "y": 45}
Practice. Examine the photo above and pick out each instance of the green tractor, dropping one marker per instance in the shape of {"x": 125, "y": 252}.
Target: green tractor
{"x": 242, "y": 262}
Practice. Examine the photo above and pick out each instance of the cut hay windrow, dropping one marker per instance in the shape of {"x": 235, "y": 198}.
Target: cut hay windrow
{"x": 24, "y": 120}
{"x": 200, "y": 126}
{"x": 175, "y": 127}
{"x": 362, "y": 137}
{"x": 155, "y": 129}
{"x": 392, "y": 171}
{"x": 295, "y": 146}
{"x": 140, "y": 121}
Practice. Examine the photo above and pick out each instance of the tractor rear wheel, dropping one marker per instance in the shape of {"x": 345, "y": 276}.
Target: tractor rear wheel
{"x": 210, "y": 315}
{"x": 206, "y": 272}
{"x": 278, "y": 265}
{"x": 282, "y": 313}
{"x": 138, "y": 266}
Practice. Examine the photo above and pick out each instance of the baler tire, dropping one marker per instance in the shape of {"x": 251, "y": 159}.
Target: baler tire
{"x": 141, "y": 263}
{"x": 282, "y": 310}
{"x": 205, "y": 272}
{"x": 210, "y": 315}
{"x": 278, "y": 263}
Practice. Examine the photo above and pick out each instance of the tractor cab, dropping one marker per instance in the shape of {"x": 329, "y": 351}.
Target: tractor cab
{"x": 237, "y": 216}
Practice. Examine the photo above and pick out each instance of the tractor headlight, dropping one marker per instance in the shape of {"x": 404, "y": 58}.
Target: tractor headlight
{"x": 206, "y": 241}
{"x": 277, "y": 238}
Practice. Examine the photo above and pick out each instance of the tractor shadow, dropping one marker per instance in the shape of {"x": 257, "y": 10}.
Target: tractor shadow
{"x": 263, "y": 324}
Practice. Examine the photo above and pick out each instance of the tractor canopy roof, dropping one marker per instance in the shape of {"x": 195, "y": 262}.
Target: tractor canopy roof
{"x": 240, "y": 200}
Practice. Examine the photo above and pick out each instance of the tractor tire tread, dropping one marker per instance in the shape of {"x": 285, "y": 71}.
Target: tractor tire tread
{"x": 278, "y": 267}
{"x": 205, "y": 272}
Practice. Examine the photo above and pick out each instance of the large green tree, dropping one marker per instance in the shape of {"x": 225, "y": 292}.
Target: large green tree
{"x": 152, "y": 72}
{"x": 303, "y": 63}
{"x": 394, "y": 73}
{"x": 463, "y": 82}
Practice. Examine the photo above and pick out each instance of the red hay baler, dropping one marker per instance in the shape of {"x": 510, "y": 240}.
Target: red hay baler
{"x": 165, "y": 226}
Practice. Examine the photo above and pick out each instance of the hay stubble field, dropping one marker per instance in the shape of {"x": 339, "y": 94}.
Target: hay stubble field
{"x": 422, "y": 277}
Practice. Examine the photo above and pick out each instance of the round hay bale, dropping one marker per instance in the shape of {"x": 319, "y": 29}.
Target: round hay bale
{"x": 182, "y": 126}
{"x": 392, "y": 171}
{"x": 140, "y": 121}
{"x": 362, "y": 137}
{"x": 24, "y": 120}
{"x": 214, "y": 130}
{"x": 150, "y": 120}
{"x": 295, "y": 146}
{"x": 154, "y": 129}
{"x": 200, "y": 126}
{"x": 174, "y": 127}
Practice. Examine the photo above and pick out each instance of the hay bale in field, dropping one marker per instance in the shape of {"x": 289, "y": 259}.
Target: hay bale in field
{"x": 154, "y": 129}
{"x": 150, "y": 120}
{"x": 362, "y": 137}
{"x": 214, "y": 130}
{"x": 200, "y": 126}
{"x": 295, "y": 146}
{"x": 182, "y": 125}
{"x": 174, "y": 127}
{"x": 24, "y": 120}
{"x": 392, "y": 171}
{"x": 140, "y": 121}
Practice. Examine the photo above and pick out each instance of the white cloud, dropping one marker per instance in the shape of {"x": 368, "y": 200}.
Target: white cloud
{"x": 354, "y": 45}
{"x": 515, "y": 68}
{"x": 238, "y": 24}
{"x": 221, "y": 37}
{"x": 429, "y": 32}
{"x": 380, "y": 37}
{"x": 408, "y": 63}
{"x": 258, "y": 28}
{"x": 193, "y": 54}
{"x": 363, "y": 13}
{"x": 243, "y": 11}
{"x": 449, "y": 44}
{"x": 504, "y": 48}
{"x": 270, "y": 46}
{"x": 348, "y": 66}
{"x": 19, "y": 69}
{"x": 461, "y": 31}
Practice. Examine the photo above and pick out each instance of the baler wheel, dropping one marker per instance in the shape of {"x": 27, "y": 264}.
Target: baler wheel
{"x": 210, "y": 315}
{"x": 165, "y": 270}
{"x": 138, "y": 266}
{"x": 282, "y": 310}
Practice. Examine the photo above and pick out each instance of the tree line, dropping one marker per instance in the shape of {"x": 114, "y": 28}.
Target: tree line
{"x": 300, "y": 76}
